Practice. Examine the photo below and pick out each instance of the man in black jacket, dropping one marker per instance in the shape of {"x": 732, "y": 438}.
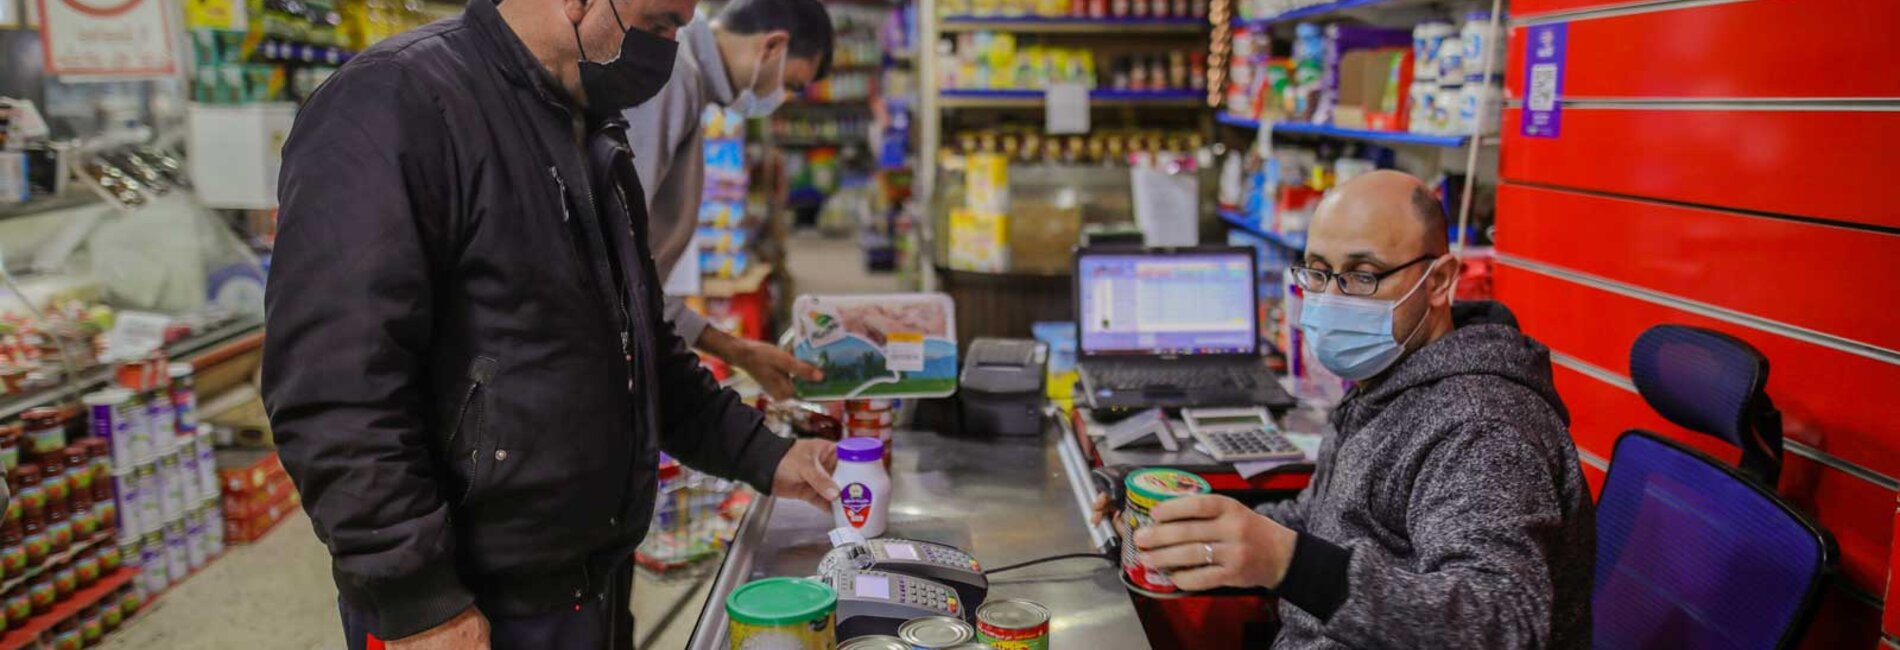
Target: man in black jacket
{"x": 467, "y": 369}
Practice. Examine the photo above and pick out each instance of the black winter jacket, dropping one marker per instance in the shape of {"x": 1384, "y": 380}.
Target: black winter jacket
{"x": 458, "y": 287}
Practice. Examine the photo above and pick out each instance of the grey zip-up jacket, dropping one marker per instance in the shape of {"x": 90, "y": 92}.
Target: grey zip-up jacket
{"x": 669, "y": 154}
{"x": 1448, "y": 510}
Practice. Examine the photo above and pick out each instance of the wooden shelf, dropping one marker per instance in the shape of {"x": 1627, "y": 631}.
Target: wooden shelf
{"x": 1108, "y": 27}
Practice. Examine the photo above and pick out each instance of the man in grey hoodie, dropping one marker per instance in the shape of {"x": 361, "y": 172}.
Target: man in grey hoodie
{"x": 1448, "y": 509}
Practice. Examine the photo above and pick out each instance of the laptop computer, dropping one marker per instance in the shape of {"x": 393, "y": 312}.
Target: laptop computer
{"x": 1172, "y": 327}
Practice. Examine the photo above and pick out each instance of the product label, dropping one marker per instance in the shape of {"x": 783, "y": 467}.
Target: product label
{"x": 1544, "y": 79}
{"x": 47, "y": 440}
{"x": 13, "y": 560}
{"x": 19, "y": 607}
{"x": 904, "y": 352}
{"x": 856, "y": 499}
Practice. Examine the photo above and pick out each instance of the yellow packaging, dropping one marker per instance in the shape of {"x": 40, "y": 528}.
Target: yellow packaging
{"x": 978, "y": 241}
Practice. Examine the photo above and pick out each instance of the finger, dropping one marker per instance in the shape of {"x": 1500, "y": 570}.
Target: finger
{"x": 820, "y": 480}
{"x": 1098, "y": 510}
{"x": 1187, "y": 532}
{"x": 807, "y": 371}
{"x": 774, "y": 383}
{"x": 1205, "y": 506}
{"x": 1202, "y": 579}
{"x": 1180, "y": 556}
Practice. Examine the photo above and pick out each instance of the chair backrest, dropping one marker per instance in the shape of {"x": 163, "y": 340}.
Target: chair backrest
{"x": 1691, "y": 554}
{"x": 1712, "y": 383}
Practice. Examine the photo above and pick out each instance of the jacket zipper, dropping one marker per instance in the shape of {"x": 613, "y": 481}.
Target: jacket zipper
{"x": 475, "y": 388}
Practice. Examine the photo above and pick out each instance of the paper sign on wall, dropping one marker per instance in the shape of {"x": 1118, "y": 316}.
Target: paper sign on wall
{"x": 1066, "y": 109}
{"x": 9, "y": 14}
{"x": 115, "y": 39}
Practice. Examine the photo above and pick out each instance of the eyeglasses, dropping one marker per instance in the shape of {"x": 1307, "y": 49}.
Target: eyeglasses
{"x": 1351, "y": 283}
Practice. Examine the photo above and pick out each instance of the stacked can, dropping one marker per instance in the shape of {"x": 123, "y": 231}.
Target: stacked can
{"x": 871, "y": 418}
{"x": 159, "y": 470}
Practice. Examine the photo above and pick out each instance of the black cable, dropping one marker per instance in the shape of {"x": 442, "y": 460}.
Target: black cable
{"x": 1046, "y": 560}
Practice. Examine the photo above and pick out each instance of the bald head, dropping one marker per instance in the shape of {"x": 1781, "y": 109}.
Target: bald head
{"x": 1394, "y": 202}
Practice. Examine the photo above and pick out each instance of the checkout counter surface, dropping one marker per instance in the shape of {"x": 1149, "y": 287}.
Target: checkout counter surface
{"x": 1004, "y": 500}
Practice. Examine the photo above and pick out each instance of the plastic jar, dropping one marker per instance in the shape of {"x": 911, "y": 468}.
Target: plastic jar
{"x": 864, "y": 488}
{"x": 12, "y": 550}
{"x": 1147, "y": 488}
{"x": 1426, "y": 39}
{"x": 1480, "y": 40}
{"x": 1477, "y": 100}
{"x": 782, "y": 613}
{"x": 19, "y": 606}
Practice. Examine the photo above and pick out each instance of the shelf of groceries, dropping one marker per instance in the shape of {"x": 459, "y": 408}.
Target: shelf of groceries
{"x": 1276, "y": 11}
{"x": 1074, "y": 25}
{"x": 1292, "y": 241}
{"x": 963, "y": 98}
{"x": 89, "y": 379}
{"x": 1369, "y": 135}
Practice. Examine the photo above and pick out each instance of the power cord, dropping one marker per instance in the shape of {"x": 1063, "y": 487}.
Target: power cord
{"x": 1046, "y": 560}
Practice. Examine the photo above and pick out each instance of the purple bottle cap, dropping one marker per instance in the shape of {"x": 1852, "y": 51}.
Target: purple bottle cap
{"x": 861, "y": 450}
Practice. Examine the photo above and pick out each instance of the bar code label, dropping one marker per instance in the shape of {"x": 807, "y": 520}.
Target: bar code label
{"x": 1544, "y": 80}
{"x": 1543, "y": 95}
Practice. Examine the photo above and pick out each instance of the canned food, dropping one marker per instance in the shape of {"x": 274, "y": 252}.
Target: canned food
{"x": 973, "y": 645}
{"x": 171, "y": 482}
{"x": 1013, "y": 624}
{"x": 870, "y": 419}
{"x": 138, "y": 436}
{"x": 1147, "y": 488}
{"x": 782, "y": 613}
{"x": 932, "y": 632}
{"x": 131, "y": 599}
{"x": 108, "y": 559}
{"x": 177, "y": 559}
{"x": 862, "y": 405}
{"x": 151, "y": 511}
{"x": 195, "y": 539}
{"x": 207, "y": 467}
{"x": 154, "y": 572}
{"x": 159, "y": 422}
{"x": 127, "y": 488}
{"x": 107, "y": 514}
{"x": 875, "y": 642}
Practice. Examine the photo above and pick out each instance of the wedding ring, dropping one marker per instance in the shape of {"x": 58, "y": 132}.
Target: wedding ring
{"x": 1207, "y": 552}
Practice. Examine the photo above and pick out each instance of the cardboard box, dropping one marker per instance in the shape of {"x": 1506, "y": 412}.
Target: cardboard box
{"x": 1372, "y": 89}
{"x": 242, "y": 471}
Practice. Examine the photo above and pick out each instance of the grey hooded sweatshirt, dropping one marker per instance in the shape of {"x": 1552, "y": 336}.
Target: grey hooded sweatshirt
{"x": 1448, "y": 511}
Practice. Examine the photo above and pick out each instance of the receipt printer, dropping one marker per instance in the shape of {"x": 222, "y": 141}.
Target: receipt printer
{"x": 1001, "y": 389}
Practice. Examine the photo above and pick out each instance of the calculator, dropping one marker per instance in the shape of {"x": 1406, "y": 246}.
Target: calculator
{"x": 1235, "y": 435}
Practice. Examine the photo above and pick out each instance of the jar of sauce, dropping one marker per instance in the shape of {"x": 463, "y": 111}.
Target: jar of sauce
{"x": 45, "y": 430}
{"x": 78, "y": 463}
{"x": 41, "y": 594}
{"x": 10, "y": 445}
{"x": 18, "y": 606}
{"x": 12, "y": 550}
{"x": 59, "y": 527}
{"x": 99, "y": 453}
{"x": 65, "y": 580}
{"x": 27, "y": 491}
{"x": 53, "y": 477}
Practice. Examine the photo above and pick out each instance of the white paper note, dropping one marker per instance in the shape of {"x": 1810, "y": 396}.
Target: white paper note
{"x": 1066, "y": 109}
{"x": 1166, "y": 207}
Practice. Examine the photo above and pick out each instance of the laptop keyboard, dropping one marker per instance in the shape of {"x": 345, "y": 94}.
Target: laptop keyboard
{"x": 1182, "y": 376}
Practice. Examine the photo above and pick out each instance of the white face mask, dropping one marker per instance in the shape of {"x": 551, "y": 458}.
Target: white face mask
{"x": 750, "y": 104}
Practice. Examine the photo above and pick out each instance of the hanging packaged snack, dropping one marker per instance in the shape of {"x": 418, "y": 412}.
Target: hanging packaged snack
{"x": 889, "y": 345}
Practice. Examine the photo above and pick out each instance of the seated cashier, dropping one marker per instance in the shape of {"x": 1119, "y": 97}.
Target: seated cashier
{"x": 1448, "y": 510}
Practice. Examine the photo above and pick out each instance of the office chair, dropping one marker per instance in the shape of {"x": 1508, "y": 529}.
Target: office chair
{"x": 1692, "y": 553}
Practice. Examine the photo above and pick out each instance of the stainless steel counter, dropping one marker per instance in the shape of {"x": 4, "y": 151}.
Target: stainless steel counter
{"x": 1005, "y": 500}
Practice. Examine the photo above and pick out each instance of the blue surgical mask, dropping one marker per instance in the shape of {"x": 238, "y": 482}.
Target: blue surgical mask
{"x": 1353, "y": 336}
{"x": 751, "y": 104}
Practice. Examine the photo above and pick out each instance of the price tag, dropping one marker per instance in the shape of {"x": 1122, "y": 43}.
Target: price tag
{"x": 1066, "y": 109}
{"x": 904, "y": 352}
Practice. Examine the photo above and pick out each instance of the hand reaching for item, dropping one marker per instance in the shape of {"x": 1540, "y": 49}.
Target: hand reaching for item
{"x": 805, "y": 473}
{"x": 1212, "y": 541}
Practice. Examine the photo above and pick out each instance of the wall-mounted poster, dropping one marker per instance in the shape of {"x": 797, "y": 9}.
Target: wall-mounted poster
{"x": 106, "y": 39}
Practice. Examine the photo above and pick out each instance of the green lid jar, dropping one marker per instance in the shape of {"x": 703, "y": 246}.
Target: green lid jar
{"x": 782, "y": 613}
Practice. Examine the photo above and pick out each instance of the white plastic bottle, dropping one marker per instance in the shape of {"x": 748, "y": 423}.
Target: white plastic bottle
{"x": 864, "y": 489}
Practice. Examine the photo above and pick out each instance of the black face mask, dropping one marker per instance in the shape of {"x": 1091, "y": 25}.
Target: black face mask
{"x": 644, "y": 66}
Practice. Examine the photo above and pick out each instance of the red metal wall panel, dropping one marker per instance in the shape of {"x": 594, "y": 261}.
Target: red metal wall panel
{"x": 1856, "y": 512}
{"x": 1842, "y": 622}
{"x": 1821, "y": 49}
{"x": 1831, "y": 165}
{"x": 1594, "y": 477}
{"x": 1831, "y": 400}
{"x": 1782, "y": 270}
{"x": 1890, "y": 624}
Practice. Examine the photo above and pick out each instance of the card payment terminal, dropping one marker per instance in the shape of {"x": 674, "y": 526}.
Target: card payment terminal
{"x": 947, "y": 565}
{"x": 876, "y": 602}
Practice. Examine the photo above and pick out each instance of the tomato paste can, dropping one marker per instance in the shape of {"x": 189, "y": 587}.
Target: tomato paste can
{"x": 933, "y": 632}
{"x": 1013, "y": 624}
{"x": 1147, "y": 488}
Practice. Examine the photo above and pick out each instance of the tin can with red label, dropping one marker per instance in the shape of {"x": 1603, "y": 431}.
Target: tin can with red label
{"x": 1013, "y": 624}
{"x": 1147, "y": 488}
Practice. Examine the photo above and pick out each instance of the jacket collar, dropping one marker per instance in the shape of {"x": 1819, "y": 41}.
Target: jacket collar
{"x": 698, "y": 41}
{"x": 510, "y": 55}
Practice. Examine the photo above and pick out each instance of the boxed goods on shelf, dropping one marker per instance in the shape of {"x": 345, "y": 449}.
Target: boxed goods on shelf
{"x": 257, "y": 493}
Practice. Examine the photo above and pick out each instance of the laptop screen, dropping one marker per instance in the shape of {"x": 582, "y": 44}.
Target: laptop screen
{"x": 1149, "y": 303}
